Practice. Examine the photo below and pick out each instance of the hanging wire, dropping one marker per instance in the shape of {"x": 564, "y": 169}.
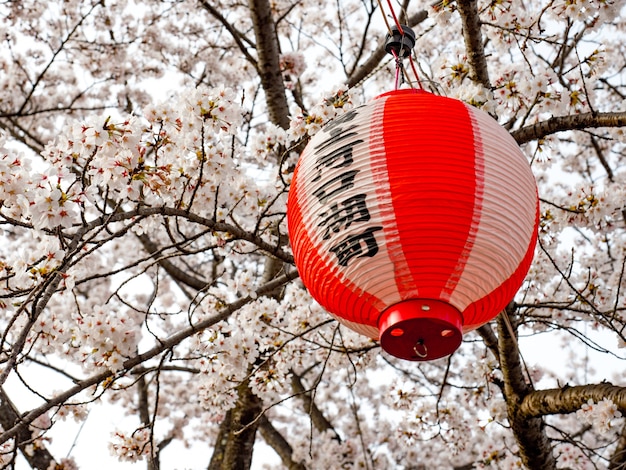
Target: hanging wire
{"x": 399, "y": 67}
{"x": 380, "y": 6}
{"x": 392, "y": 32}
{"x": 395, "y": 18}
{"x": 411, "y": 61}
{"x": 417, "y": 77}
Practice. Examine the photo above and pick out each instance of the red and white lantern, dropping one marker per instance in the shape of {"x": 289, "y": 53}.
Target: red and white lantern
{"x": 413, "y": 219}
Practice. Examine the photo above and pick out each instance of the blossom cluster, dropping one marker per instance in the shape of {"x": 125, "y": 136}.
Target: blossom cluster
{"x": 292, "y": 65}
{"x": 179, "y": 154}
{"x": 601, "y": 415}
{"x": 570, "y": 456}
{"x": 334, "y": 104}
{"x": 97, "y": 336}
{"x": 131, "y": 447}
{"x": 253, "y": 345}
{"x": 105, "y": 338}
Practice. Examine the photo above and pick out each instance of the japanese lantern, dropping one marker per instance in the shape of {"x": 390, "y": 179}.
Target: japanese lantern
{"x": 412, "y": 220}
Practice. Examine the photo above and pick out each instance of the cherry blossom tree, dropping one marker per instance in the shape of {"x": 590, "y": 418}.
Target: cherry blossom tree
{"x": 147, "y": 149}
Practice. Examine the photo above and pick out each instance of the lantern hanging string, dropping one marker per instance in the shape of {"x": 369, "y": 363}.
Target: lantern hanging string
{"x": 395, "y": 18}
{"x": 417, "y": 77}
{"x": 382, "y": 11}
{"x": 400, "y": 70}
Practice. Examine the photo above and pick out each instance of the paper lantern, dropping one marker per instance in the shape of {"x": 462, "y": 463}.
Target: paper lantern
{"x": 413, "y": 219}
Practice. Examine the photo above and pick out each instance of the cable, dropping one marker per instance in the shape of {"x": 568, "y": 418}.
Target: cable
{"x": 395, "y": 18}
{"x": 382, "y": 11}
{"x": 417, "y": 77}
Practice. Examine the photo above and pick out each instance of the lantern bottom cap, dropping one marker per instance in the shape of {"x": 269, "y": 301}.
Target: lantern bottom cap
{"x": 420, "y": 329}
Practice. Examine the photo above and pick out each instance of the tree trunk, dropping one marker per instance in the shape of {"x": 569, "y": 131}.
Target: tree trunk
{"x": 268, "y": 54}
{"x": 468, "y": 9}
{"x": 276, "y": 440}
{"x": 534, "y": 446}
{"x": 39, "y": 458}
{"x": 235, "y": 442}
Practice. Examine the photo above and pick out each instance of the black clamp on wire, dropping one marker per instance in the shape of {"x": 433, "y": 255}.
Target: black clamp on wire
{"x": 400, "y": 43}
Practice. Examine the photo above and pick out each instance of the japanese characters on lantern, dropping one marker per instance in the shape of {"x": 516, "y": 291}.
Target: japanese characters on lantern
{"x": 412, "y": 219}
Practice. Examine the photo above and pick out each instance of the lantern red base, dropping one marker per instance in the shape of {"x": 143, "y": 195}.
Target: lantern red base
{"x": 420, "y": 329}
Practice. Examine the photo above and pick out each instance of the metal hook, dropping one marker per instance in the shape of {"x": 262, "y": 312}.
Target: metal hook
{"x": 419, "y": 354}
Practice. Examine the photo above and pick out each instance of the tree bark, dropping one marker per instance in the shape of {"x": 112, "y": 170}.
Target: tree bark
{"x": 568, "y": 123}
{"x": 39, "y": 458}
{"x": 276, "y": 440}
{"x": 268, "y": 54}
{"x": 569, "y": 399}
{"x": 235, "y": 441}
{"x": 534, "y": 446}
{"x": 468, "y": 9}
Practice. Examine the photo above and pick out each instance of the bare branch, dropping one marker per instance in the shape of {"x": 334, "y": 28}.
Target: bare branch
{"x": 276, "y": 440}
{"x": 568, "y": 123}
{"x": 468, "y": 9}
{"x": 534, "y": 446}
{"x": 38, "y": 457}
{"x": 268, "y": 63}
{"x": 569, "y": 399}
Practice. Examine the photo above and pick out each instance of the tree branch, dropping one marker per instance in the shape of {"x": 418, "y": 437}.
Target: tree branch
{"x": 163, "y": 345}
{"x": 276, "y": 440}
{"x": 269, "y": 62}
{"x": 54, "y": 56}
{"x": 179, "y": 275}
{"x": 568, "y": 123}
{"x": 317, "y": 417}
{"x": 235, "y": 441}
{"x": 569, "y": 399}
{"x": 534, "y": 446}
{"x": 237, "y": 36}
{"x": 39, "y": 458}
{"x": 39, "y": 296}
{"x": 472, "y": 34}
{"x": 490, "y": 339}
{"x": 233, "y": 230}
